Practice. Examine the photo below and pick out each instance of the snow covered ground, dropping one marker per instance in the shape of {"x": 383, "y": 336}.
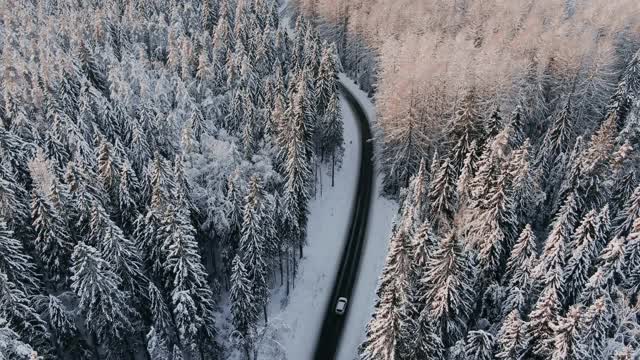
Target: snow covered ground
{"x": 299, "y": 321}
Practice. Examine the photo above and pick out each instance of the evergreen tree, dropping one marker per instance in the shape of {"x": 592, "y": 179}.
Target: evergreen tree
{"x": 609, "y": 273}
{"x": 582, "y": 257}
{"x": 467, "y": 126}
{"x": 161, "y": 315}
{"x": 561, "y": 132}
{"x": 243, "y": 305}
{"x": 479, "y": 345}
{"x": 11, "y": 346}
{"x": 53, "y": 241}
{"x": 128, "y": 189}
{"x": 256, "y": 232}
{"x": 18, "y": 311}
{"x": 442, "y": 195}
{"x": 186, "y": 278}
{"x": 511, "y": 339}
{"x": 629, "y": 213}
{"x": 14, "y": 205}
{"x": 327, "y": 85}
{"x": 631, "y": 267}
{"x": 332, "y": 134}
{"x": 556, "y": 250}
{"x": 523, "y": 260}
{"x": 15, "y": 263}
{"x": 468, "y": 171}
{"x": 423, "y": 244}
{"x": 297, "y": 174}
{"x": 566, "y": 344}
{"x": 428, "y": 345}
{"x": 106, "y": 309}
{"x": 538, "y": 330}
{"x": 594, "y": 327}
{"x": 119, "y": 251}
{"x": 450, "y": 291}
{"x": 386, "y": 332}
{"x": 107, "y": 168}
{"x": 62, "y": 325}
{"x": 177, "y": 354}
{"x": 156, "y": 346}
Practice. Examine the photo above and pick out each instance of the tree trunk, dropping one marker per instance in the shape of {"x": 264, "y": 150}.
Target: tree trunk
{"x": 288, "y": 288}
{"x": 295, "y": 266}
{"x": 281, "y": 270}
{"x": 333, "y": 167}
{"x": 96, "y": 346}
{"x": 266, "y": 319}
{"x": 301, "y": 245}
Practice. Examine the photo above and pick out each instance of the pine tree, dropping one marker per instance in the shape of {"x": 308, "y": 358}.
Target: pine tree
{"x": 62, "y": 325}
{"x": 631, "y": 268}
{"x": 442, "y": 195}
{"x": 186, "y": 278}
{"x": 538, "y": 330}
{"x": 11, "y": 346}
{"x": 250, "y": 129}
{"x": 561, "y": 133}
{"x": 384, "y": 328}
{"x": 297, "y": 174}
{"x": 494, "y": 226}
{"x": 156, "y": 346}
{"x": 327, "y": 85}
{"x": 53, "y": 241}
{"x": 256, "y": 232}
{"x": 468, "y": 171}
{"x": 161, "y": 315}
{"x": 494, "y": 123}
{"x": 106, "y": 309}
{"x": 609, "y": 273}
{"x": 582, "y": 257}
{"x": 332, "y": 134}
{"x": 423, "y": 244}
{"x": 119, "y": 251}
{"x": 128, "y": 189}
{"x": 450, "y": 292}
{"x": 527, "y": 194}
{"x": 479, "y": 345}
{"x": 629, "y": 213}
{"x": 594, "y": 327}
{"x": 386, "y": 332}
{"x": 14, "y": 205}
{"x": 566, "y": 345}
{"x": 15, "y": 263}
{"x": 107, "y": 168}
{"x": 243, "y": 305}
{"x": 556, "y": 250}
{"x": 511, "y": 339}
{"x": 467, "y": 126}
{"x": 428, "y": 345}
{"x": 523, "y": 260}
{"x": 18, "y": 311}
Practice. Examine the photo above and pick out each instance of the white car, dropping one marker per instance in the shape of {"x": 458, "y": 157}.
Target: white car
{"x": 341, "y": 305}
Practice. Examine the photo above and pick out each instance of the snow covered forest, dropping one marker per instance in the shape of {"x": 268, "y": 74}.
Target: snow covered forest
{"x": 509, "y": 133}
{"x": 155, "y": 157}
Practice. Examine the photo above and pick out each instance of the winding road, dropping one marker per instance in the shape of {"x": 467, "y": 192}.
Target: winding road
{"x": 333, "y": 324}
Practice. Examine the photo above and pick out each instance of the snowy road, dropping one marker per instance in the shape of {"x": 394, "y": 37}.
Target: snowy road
{"x": 300, "y": 319}
{"x": 333, "y": 324}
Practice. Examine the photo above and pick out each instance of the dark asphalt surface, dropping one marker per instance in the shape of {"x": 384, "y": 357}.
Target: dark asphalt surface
{"x": 333, "y": 324}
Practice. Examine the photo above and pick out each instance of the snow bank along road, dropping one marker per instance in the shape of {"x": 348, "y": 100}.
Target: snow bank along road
{"x": 332, "y": 325}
